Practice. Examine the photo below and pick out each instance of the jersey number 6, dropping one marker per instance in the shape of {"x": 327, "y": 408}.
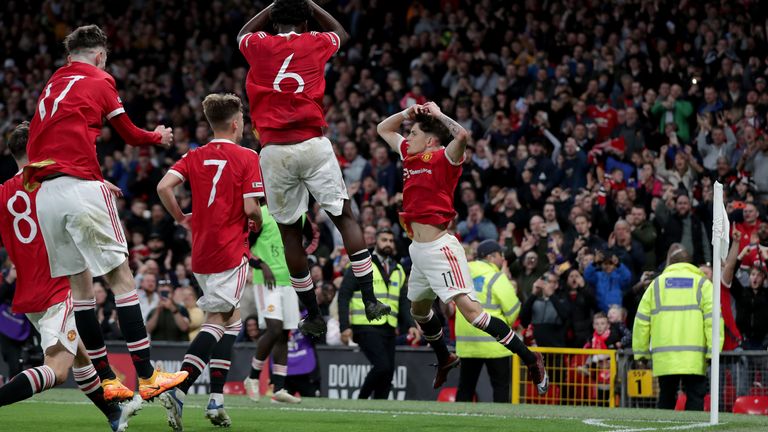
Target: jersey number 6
{"x": 282, "y": 74}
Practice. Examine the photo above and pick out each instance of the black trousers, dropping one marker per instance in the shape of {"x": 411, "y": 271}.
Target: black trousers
{"x": 499, "y": 371}
{"x": 694, "y": 386}
{"x": 378, "y": 344}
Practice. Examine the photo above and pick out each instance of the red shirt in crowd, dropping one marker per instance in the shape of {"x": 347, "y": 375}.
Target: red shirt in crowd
{"x": 732, "y": 337}
{"x": 36, "y": 291}
{"x": 222, "y": 174}
{"x": 286, "y": 83}
{"x": 606, "y": 120}
{"x": 429, "y": 180}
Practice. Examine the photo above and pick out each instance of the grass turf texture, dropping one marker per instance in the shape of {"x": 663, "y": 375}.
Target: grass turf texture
{"x": 69, "y": 411}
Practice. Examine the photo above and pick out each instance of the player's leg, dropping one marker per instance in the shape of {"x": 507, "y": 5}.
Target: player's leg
{"x": 500, "y": 374}
{"x": 360, "y": 260}
{"x": 287, "y": 309}
{"x": 221, "y": 359}
{"x": 298, "y": 267}
{"x": 221, "y": 295}
{"x": 90, "y": 384}
{"x": 325, "y": 182}
{"x": 287, "y": 197}
{"x": 469, "y": 373}
{"x": 474, "y": 313}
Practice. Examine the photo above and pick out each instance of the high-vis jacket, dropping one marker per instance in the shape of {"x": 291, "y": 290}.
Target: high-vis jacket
{"x": 388, "y": 294}
{"x": 497, "y": 295}
{"x": 673, "y": 324}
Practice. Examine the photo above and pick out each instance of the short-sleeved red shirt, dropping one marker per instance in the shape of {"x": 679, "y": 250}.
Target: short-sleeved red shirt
{"x": 429, "y": 180}
{"x": 36, "y": 291}
{"x": 286, "y": 83}
{"x": 222, "y": 174}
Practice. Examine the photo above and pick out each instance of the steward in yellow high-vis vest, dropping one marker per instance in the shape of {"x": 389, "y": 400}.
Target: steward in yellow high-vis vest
{"x": 476, "y": 348}
{"x": 377, "y": 338}
{"x": 673, "y": 327}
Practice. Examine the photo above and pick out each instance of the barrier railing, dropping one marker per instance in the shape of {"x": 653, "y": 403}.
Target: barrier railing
{"x": 742, "y": 373}
{"x": 577, "y": 377}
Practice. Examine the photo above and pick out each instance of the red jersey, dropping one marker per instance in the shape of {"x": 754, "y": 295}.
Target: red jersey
{"x": 429, "y": 180}
{"x": 36, "y": 291}
{"x": 286, "y": 83}
{"x": 222, "y": 174}
{"x": 732, "y": 337}
{"x": 68, "y": 119}
{"x": 606, "y": 120}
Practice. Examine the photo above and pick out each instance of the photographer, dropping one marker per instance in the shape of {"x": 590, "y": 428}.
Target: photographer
{"x": 548, "y": 311}
{"x": 169, "y": 321}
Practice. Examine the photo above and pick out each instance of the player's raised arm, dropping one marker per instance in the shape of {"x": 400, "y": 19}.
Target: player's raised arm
{"x": 135, "y": 136}
{"x": 455, "y": 149}
{"x": 328, "y": 22}
{"x": 258, "y": 22}
{"x": 389, "y": 129}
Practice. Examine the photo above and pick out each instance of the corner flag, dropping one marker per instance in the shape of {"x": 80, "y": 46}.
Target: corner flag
{"x": 720, "y": 244}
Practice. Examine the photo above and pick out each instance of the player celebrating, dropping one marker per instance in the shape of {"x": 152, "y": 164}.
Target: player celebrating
{"x": 78, "y": 215}
{"x": 226, "y": 184}
{"x": 440, "y": 268}
{"x": 285, "y": 87}
{"x": 46, "y": 302}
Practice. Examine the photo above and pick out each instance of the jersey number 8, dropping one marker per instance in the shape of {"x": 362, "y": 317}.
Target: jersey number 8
{"x": 23, "y": 216}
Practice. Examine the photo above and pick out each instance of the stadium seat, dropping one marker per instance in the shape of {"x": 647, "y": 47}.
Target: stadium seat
{"x": 755, "y": 405}
{"x": 234, "y": 388}
{"x": 681, "y": 400}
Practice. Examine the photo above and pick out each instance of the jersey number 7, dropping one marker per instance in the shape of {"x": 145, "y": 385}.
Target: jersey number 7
{"x": 216, "y": 177}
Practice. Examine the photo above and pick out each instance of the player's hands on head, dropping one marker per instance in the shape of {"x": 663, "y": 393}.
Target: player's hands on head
{"x": 432, "y": 109}
{"x": 166, "y": 135}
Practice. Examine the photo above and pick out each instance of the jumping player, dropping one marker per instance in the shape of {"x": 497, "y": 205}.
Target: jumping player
{"x": 285, "y": 86}
{"x": 226, "y": 187}
{"x": 431, "y": 172}
{"x": 46, "y": 302}
{"x": 78, "y": 216}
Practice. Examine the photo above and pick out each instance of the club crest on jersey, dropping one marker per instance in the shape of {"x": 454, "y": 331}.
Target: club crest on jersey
{"x": 426, "y": 157}
{"x": 71, "y": 335}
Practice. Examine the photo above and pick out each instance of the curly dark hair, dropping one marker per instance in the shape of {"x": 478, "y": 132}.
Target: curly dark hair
{"x": 290, "y": 12}
{"x": 85, "y": 37}
{"x": 432, "y": 126}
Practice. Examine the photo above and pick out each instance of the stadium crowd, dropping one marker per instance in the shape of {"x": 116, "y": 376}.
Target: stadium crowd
{"x": 598, "y": 130}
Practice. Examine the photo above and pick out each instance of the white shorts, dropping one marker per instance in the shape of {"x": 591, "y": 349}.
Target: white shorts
{"x": 439, "y": 269}
{"x": 57, "y": 325}
{"x": 81, "y": 227}
{"x": 292, "y": 172}
{"x": 280, "y": 303}
{"x": 222, "y": 291}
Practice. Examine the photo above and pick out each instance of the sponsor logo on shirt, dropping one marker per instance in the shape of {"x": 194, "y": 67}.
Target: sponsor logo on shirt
{"x": 407, "y": 173}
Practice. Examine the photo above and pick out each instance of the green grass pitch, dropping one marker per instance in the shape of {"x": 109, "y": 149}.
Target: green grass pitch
{"x": 69, "y": 411}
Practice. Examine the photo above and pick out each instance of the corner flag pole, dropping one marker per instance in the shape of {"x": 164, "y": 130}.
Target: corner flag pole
{"x": 720, "y": 237}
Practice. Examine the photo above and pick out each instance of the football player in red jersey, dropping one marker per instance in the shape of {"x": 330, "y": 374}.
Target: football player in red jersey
{"x": 78, "y": 216}
{"x": 46, "y": 301}
{"x": 285, "y": 87}
{"x": 226, "y": 187}
{"x": 431, "y": 171}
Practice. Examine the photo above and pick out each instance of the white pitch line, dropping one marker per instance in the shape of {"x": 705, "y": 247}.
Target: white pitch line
{"x": 618, "y": 428}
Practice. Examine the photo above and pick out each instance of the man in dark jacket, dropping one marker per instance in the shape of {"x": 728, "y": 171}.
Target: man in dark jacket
{"x": 679, "y": 225}
{"x": 549, "y": 312}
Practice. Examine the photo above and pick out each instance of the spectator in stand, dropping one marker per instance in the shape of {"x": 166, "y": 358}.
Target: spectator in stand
{"x": 604, "y": 115}
{"x": 645, "y": 234}
{"x": 714, "y": 142}
{"x": 169, "y": 321}
{"x": 477, "y": 227}
{"x": 356, "y": 168}
{"x": 148, "y": 298}
{"x": 610, "y": 277}
{"x": 679, "y": 225}
{"x": 549, "y": 312}
{"x": 250, "y": 332}
{"x": 583, "y": 306}
{"x": 187, "y": 296}
{"x": 582, "y": 237}
{"x": 526, "y": 270}
{"x": 629, "y": 250}
{"x": 676, "y": 110}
